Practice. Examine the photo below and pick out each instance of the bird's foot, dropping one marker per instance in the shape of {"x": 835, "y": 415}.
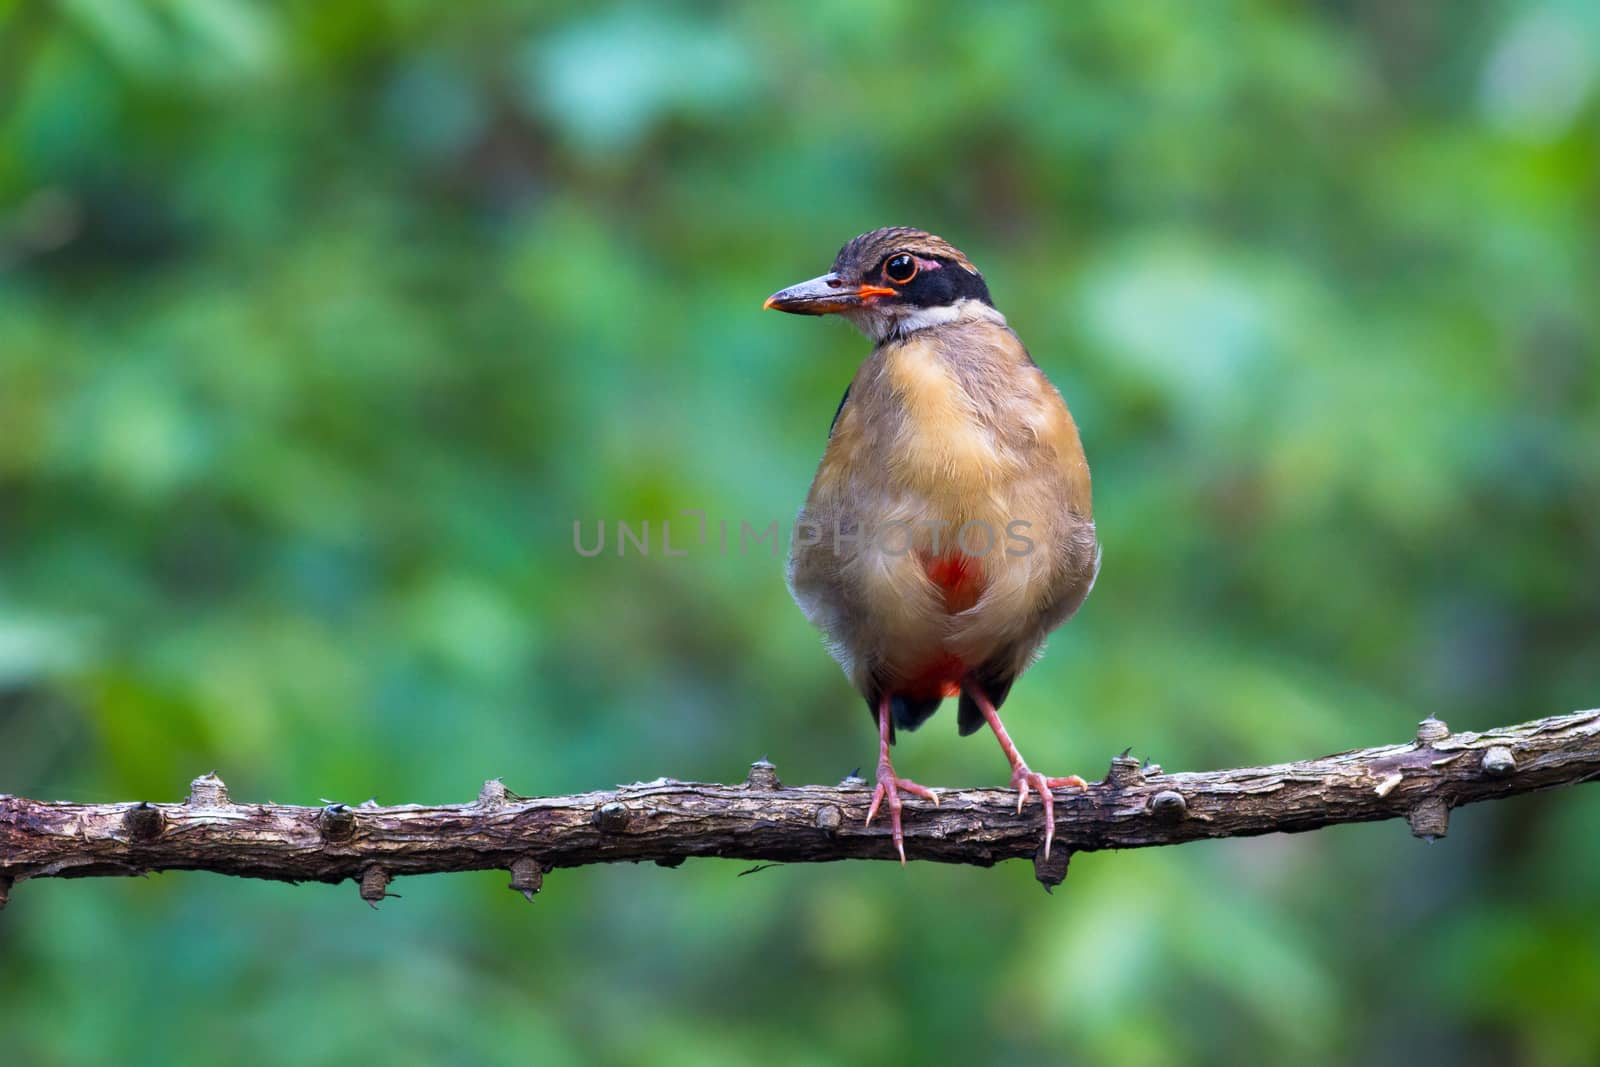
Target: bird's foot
{"x": 1022, "y": 780}
{"x": 889, "y": 786}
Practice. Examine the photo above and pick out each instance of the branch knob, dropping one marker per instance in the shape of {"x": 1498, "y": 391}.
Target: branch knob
{"x": 763, "y": 775}
{"x": 1498, "y": 762}
{"x": 144, "y": 821}
{"x": 527, "y": 876}
{"x": 1169, "y": 806}
{"x": 336, "y": 822}
{"x": 612, "y": 818}
{"x": 1431, "y": 731}
{"x": 1126, "y": 770}
{"x": 207, "y": 791}
{"x": 374, "y": 885}
{"x": 1430, "y": 819}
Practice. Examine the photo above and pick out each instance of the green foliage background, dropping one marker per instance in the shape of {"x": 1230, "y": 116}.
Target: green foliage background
{"x": 320, "y": 323}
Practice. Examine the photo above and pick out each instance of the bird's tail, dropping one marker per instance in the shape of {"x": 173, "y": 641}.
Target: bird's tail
{"x": 906, "y": 713}
{"x": 969, "y": 718}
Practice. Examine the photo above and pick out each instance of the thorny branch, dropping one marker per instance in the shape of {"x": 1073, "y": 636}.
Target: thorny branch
{"x": 666, "y": 821}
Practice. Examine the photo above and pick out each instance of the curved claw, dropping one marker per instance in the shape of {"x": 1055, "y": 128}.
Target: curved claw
{"x": 889, "y": 786}
{"x": 1021, "y": 776}
{"x": 1023, "y": 779}
{"x": 886, "y": 787}
{"x": 877, "y": 798}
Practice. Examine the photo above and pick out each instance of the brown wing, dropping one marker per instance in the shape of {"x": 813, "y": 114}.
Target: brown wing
{"x": 1064, "y": 492}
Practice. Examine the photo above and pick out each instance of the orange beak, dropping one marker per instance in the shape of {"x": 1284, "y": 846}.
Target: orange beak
{"x": 827, "y": 295}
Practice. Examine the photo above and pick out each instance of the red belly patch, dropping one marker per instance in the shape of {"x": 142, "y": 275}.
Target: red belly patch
{"x": 941, "y": 678}
{"x": 958, "y": 576}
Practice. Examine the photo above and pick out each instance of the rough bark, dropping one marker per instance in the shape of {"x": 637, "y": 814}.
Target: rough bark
{"x": 667, "y": 821}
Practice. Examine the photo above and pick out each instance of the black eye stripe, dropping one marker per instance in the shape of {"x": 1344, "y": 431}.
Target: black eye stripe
{"x": 937, "y": 282}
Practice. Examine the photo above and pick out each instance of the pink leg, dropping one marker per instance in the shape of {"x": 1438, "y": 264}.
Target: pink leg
{"x": 889, "y": 785}
{"x": 1023, "y": 778}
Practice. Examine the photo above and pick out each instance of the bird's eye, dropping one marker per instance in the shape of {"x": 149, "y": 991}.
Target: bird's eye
{"x": 900, "y": 268}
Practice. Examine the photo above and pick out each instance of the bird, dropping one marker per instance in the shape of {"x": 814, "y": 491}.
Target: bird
{"x": 949, "y": 528}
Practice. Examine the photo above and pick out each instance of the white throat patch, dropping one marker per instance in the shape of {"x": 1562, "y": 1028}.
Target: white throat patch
{"x": 882, "y": 323}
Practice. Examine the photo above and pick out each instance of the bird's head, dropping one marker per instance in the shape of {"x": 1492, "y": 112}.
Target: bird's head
{"x": 891, "y": 282}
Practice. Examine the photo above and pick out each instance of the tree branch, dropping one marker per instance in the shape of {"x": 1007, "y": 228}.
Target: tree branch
{"x": 667, "y": 821}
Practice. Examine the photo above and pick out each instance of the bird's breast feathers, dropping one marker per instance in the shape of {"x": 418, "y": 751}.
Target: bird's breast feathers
{"x": 956, "y": 477}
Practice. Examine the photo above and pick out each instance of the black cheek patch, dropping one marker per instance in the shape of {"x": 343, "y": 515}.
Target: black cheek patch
{"x": 944, "y": 284}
